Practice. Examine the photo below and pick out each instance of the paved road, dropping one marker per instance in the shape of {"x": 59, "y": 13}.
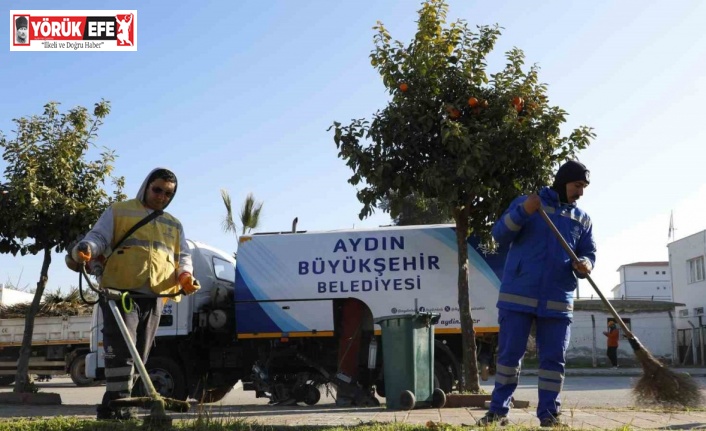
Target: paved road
{"x": 579, "y": 392}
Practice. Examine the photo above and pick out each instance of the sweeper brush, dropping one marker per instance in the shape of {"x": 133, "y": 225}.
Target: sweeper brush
{"x": 658, "y": 385}
{"x": 661, "y": 386}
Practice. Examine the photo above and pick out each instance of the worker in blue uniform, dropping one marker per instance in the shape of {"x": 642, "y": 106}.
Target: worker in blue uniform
{"x": 537, "y": 288}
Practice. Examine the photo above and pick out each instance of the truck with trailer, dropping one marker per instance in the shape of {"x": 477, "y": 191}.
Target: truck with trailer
{"x": 274, "y": 320}
{"x": 59, "y": 346}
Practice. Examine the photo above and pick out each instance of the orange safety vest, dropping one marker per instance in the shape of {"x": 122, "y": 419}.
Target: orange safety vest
{"x": 613, "y": 334}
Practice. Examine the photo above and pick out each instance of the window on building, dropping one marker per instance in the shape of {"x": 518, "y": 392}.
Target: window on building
{"x": 657, "y": 272}
{"x": 696, "y": 269}
{"x": 645, "y": 272}
{"x": 664, "y": 272}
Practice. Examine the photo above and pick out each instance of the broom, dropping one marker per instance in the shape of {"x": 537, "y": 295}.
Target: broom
{"x": 658, "y": 384}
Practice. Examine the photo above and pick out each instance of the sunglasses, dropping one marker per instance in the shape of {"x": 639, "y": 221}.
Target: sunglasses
{"x": 158, "y": 191}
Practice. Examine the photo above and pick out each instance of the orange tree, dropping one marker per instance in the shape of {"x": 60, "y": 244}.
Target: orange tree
{"x": 454, "y": 133}
{"x": 51, "y": 194}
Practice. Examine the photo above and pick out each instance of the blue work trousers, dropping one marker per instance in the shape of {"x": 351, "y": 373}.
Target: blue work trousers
{"x": 553, "y": 335}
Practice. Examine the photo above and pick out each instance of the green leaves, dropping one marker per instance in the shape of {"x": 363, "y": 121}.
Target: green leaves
{"x": 53, "y": 192}
{"x": 431, "y": 142}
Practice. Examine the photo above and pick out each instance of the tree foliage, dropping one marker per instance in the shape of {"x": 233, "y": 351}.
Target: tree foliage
{"x": 455, "y": 133}
{"x": 50, "y": 193}
{"x": 414, "y": 209}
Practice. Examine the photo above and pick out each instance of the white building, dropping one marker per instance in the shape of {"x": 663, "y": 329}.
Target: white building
{"x": 645, "y": 280}
{"x": 686, "y": 259}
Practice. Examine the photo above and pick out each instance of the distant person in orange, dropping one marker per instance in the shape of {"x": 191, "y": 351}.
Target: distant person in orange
{"x": 612, "y": 333}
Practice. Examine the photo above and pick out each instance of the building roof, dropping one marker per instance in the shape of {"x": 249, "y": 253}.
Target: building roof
{"x": 623, "y": 305}
{"x": 644, "y": 264}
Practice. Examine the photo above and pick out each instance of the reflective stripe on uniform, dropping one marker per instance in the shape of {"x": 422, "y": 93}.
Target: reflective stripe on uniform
{"x": 510, "y": 371}
{"x": 554, "y": 375}
{"x": 511, "y": 224}
{"x": 118, "y": 372}
{"x": 517, "y": 299}
{"x": 505, "y": 380}
{"x": 559, "y": 306}
{"x": 118, "y": 379}
{"x": 548, "y": 385}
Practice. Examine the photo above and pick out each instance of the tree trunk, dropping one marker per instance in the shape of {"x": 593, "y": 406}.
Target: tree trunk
{"x": 22, "y": 380}
{"x": 469, "y": 366}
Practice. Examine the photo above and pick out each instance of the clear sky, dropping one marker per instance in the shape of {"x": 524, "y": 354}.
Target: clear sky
{"x": 238, "y": 95}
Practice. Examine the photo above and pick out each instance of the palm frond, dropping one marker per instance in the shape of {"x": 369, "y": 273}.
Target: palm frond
{"x": 250, "y": 214}
{"x": 228, "y": 223}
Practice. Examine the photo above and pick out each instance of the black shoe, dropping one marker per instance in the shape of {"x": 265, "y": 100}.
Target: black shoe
{"x": 492, "y": 418}
{"x": 122, "y": 414}
{"x": 126, "y": 414}
{"x": 552, "y": 422}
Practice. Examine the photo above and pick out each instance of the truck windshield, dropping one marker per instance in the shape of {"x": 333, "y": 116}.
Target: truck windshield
{"x": 224, "y": 270}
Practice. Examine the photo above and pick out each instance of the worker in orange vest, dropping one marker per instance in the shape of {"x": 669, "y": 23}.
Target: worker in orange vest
{"x": 612, "y": 333}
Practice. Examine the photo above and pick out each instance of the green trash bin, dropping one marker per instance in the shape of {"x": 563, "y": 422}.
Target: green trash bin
{"x": 408, "y": 361}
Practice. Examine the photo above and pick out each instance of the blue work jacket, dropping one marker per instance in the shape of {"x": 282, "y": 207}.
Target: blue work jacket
{"x": 538, "y": 277}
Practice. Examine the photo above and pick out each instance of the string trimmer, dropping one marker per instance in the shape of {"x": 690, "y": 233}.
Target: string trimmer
{"x": 153, "y": 401}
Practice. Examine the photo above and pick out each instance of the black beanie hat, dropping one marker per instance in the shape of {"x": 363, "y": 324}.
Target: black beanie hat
{"x": 569, "y": 172}
{"x": 21, "y": 22}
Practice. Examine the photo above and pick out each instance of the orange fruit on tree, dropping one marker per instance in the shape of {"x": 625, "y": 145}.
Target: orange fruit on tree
{"x": 472, "y": 102}
{"x": 484, "y": 103}
{"x": 518, "y": 103}
{"x": 404, "y": 87}
{"x": 454, "y": 113}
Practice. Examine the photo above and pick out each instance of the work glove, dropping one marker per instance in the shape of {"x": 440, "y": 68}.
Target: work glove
{"x": 81, "y": 252}
{"x": 188, "y": 283}
{"x": 583, "y": 266}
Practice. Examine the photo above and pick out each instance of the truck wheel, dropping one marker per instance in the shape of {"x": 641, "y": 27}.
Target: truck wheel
{"x": 78, "y": 372}
{"x": 6, "y": 380}
{"x": 312, "y": 395}
{"x": 167, "y": 377}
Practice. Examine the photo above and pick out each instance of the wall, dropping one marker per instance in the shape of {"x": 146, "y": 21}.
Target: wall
{"x": 693, "y": 295}
{"x": 653, "y": 329}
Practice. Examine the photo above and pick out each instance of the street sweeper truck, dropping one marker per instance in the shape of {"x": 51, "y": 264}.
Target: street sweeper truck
{"x": 297, "y": 311}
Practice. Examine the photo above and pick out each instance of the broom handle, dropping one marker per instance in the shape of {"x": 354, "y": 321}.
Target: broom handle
{"x": 575, "y": 258}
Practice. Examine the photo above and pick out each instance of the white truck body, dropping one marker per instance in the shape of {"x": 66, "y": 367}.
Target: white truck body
{"x": 288, "y": 278}
{"x": 57, "y": 341}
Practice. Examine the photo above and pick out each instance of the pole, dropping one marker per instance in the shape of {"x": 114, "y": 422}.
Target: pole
{"x": 701, "y": 339}
{"x": 146, "y": 381}
{"x": 593, "y": 353}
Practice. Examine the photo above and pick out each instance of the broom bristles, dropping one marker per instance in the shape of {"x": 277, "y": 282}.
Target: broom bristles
{"x": 661, "y": 386}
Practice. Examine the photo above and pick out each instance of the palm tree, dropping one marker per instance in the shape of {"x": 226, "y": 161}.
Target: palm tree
{"x": 249, "y": 214}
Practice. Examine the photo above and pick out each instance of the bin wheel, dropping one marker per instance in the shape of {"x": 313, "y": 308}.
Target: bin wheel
{"x": 438, "y": 398}
{"x": 407, "y": 400}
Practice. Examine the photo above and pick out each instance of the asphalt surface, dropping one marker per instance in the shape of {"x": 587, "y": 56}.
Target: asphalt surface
{"x": 593, "y": 399}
